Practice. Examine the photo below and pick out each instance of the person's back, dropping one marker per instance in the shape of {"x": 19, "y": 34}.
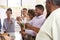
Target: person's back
{"x": 50, "y": 28}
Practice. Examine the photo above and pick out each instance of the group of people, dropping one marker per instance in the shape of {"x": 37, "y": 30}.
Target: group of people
{"x": 33, "y": 23}
{"x": 24, "y": 26}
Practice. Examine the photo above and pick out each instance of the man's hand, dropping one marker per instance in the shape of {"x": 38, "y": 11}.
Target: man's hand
{"x": 32, "y": 27}
{"x": 27, "y": 25}
{"x": 23, "y": 33}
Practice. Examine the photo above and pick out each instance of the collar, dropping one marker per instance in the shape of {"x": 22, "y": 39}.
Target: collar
{"x": 40, "y": 16}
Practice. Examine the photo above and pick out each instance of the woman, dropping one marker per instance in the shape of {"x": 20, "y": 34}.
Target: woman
{"x": 18, "y": 29}
{"x": 31, "y": 14}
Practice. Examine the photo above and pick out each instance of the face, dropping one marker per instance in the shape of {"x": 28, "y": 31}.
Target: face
{"x": 30, "y": 16}
{"x": 38, "y": 11}
{"x": 48, "y": 7}
{"x": 8, "y": 13}
{"x": 24, "y": 12}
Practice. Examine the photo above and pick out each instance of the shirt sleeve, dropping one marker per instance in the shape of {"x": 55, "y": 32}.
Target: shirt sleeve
{"x": 4, "y": 28}
{"x": 30, "y": 22}
{"x": 41, "y": 22}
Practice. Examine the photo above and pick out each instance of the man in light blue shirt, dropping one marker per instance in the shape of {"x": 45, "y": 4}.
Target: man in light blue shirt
{"x": 9, "y": 23}
{"x": 35, "y": 24}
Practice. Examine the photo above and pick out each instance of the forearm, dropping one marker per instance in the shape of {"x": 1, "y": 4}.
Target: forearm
{"x": 33, "y": 28}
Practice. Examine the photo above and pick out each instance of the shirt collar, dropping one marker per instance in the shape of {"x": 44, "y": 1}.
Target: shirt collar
{"x": 40, "y": 16}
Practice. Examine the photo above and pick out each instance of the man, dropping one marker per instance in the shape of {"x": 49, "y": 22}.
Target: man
{"x": 51, "y": 28}
{"x": 35, "y": 24}
{"x": 24, "y": 12}
{"x": 9, "y": 23}
{"x": 24, "y": 16}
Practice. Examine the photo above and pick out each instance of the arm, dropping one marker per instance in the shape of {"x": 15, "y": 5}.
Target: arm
{"x": 4, "y": 28}
{"x": 0, "y": 24}
{"x": 32, "y": 27}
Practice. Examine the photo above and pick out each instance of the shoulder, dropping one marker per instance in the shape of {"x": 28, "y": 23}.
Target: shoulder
{"x": 43, "y": 17}
{"x": 56, "y": 14}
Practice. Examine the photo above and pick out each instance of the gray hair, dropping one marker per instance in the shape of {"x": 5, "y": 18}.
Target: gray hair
{"x": 55, "y": 2}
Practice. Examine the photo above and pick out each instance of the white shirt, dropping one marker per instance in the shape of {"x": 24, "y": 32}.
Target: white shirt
{"x": 17, "y": 27}
{"x": 36, "y": 22}
{"x": 51, "y": 28}
{"x": 18, "y": 35}
{"x": 24, "y": 20}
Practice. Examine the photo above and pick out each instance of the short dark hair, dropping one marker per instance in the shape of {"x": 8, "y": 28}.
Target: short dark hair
{"x": 40, "y": 6}
{"x": 32, "y": 12}
{"x": 24, "y": 8}
{"x": 9, "y": 9}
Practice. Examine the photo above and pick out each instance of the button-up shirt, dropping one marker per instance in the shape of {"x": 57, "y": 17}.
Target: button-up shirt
{"x": 9, "y": 26}
{"x": 36, "y": 22}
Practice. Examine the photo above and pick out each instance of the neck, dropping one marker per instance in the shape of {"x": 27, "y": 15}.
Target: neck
{"x": 8, "y": 18}
{"x": 25, "y": 15}
{"x": 54, "y": 8}
{"x": 38, "y": 15}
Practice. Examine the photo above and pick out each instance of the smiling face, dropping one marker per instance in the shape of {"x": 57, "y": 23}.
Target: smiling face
{"x": 38, "y": 11}
{"x": 24, "y": 12}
